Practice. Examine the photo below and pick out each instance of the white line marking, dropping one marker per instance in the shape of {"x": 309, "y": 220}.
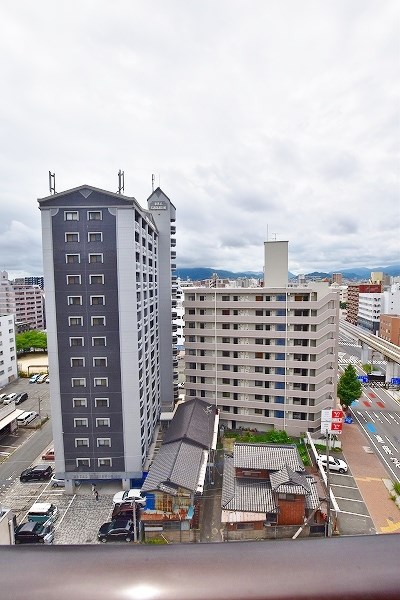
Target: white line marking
{"x": 66, "y": 510}
{"x": 389, "y": 441}
{"x": 349, "y": 499}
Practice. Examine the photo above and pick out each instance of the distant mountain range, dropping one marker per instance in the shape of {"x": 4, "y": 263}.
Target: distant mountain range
{"x": 199, "y": 273}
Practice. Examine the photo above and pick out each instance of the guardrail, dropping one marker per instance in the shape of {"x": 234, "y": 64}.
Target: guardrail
{"x": 350, "y": 568}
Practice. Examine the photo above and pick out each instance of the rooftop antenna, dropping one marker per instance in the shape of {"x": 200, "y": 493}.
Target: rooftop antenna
{"x": 153, "y": 178}
{"x": 52, "y": 183}
{"x": 121, "y": 181}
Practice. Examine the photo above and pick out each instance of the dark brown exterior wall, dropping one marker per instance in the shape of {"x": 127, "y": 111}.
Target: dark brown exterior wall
{"x": 292, "y": 513}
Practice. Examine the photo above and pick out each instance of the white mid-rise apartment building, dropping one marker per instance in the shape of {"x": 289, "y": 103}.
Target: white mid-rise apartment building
{"x": 8, "y": 353}
{"x": 267, "y": 356}
{"x": 29, "y": 305}
{"x": 23, "y": 300}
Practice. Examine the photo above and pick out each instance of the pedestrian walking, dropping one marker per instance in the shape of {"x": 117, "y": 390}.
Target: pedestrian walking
{"x": 93, "y": 488}
{"x": 96, "y": 494}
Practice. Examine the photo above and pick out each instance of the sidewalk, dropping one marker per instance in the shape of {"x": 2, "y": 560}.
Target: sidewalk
{"x": 370, "y": 475}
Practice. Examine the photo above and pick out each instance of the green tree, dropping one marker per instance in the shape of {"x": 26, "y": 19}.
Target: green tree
{"x": 31, "y": 339}
{"x": 349, "y": 388}
{"x": 343, "y": 305}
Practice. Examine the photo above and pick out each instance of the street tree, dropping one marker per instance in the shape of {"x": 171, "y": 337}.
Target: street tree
{"x": 349, "y": 388}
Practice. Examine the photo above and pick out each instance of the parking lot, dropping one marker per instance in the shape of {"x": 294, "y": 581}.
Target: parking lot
{"x": 353, "y": 518}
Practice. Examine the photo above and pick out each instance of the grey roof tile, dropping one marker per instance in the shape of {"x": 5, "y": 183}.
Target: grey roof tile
{"x": 271, "y": 457}
{"x": 193, "y": 420}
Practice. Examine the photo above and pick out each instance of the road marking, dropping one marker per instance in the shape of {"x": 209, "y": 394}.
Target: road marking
{"x": 347, "y": 512}
{"x": 385, "y": 417}
{"x": 389, "y": 442}
{"x": 347, "y": 487}
{"x": 66, "y": 510}
{"x": 350, "y": 499}
{"x": 390, "y": 527}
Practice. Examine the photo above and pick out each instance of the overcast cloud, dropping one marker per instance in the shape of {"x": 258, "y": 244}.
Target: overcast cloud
{"x": 258, "y": 117}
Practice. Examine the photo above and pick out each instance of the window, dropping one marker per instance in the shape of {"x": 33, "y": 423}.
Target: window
{"x": 94, "y": 215}
{"x": 97, "y": 300}
{"x": 103, "y": 442}
{"x": 71, "y": 215}
{"x": 96, "y": 258}
{"x": 83, "y": 462}
{"x": 104, "y": 462}
{"x": 100, "y": 382}
{"x": 102, "y": 402}
{"x": 76, "y": 402}
{"x": 98, "y": 320}
{"x": 79, "y": 442}
{"x": 80, "y": 422}
{"x": 72, "y": 258}
{"x": 96, "y": 279}
{"x": 71, "y": 236}
{"x": 77, "y": 362}
{"x": 75, "y": 321}
{"x": 98, "y": 341}
{"x": 74, "y": 300}
{"x": 225, "y": 298}
{"x": 104, "y": 422}
{"x": 99, "y": 361}
{"x": 288, "y": 497}
{"x": 78, "y": 381}
{"x": 76, "y": 341}
{"x": 73, "y": 279}
{"x": 95, "y": 236}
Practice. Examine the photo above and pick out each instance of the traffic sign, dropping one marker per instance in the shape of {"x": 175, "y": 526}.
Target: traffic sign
{"x": 395, "y": 380}
{"x": 332, "y": 421}
{"x": 363, "y": 378}
{"x": 332, "y": 415}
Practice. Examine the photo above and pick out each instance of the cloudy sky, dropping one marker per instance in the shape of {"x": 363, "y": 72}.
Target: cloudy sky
{"x": 259, "y": 118}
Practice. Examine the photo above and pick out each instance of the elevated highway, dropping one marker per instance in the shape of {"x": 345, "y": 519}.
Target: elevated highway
{"x": 369, "y": 342}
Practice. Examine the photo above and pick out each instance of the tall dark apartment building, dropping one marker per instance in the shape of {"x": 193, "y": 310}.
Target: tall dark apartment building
{"x": 108, "y": 267}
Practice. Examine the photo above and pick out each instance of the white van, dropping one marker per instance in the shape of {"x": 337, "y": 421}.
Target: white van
{"x": 26, "y": 417}
{"x": 43, "y": 512}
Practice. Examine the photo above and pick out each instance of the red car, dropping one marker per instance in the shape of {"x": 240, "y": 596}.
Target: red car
{"x": 48, "y": 455}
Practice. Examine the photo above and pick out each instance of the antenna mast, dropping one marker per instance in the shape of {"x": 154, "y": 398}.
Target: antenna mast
{"x": 121, "y": 181}
{"x": 52, "y": 183}
{"x": 153, "y": 178}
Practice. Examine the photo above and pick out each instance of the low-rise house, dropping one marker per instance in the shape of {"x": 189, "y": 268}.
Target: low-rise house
{"x": 176, "y": 478}
{"x": 266, "y": 485}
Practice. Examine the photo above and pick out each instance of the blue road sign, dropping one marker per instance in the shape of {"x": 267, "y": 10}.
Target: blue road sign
{"x": 395, "y": 380}
{"x": 363, "y": 378}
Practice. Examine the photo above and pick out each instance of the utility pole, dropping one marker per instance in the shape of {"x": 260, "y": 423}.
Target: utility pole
{"x": 328, "y": 488}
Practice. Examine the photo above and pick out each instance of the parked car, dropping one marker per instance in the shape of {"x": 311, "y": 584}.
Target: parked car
{"x": 48, "y": 455}
{"x": 335, "y": 464}
{"x": 133, "y": 495}
{"x": 57, "y": 481}
{"x": 27, "y": 417}
{"x": 3, "y": 397}
{"x": 43, "y": 512}
{"x": 34, "y": 533}
{"x": 21, "y": 398}
{"x": 125, "y": 511}
{"x": 10, "y": 398}
{"x": 34, "y": 378}
{"x": 42, "y": 378}
{"x": 47, "y": 379}
{"x": 119, "y": 529}
{"x": 37, "y": 473}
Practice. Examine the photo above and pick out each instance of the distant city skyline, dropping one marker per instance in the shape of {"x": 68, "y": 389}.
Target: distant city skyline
{"x": 279, "y": 122}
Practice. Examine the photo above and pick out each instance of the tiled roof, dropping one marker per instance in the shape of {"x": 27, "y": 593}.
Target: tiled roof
{"x": 271, "y": 457}
{"x": 176, "y": 465}
{"x": 288, "y": 481}
{"x": 312, "y": 499}
{"x": 193, "y": 420}
{"x": 243, "y": 494}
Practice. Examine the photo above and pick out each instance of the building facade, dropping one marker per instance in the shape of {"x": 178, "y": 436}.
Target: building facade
{"x": 266, "y": 356}
{"x": 389, "y": 328}
{"x": 29, "y": 306}
{"x": 353, "y": 292}
{"x": 8, "y": 351}
{"x": 107, "y": 267}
